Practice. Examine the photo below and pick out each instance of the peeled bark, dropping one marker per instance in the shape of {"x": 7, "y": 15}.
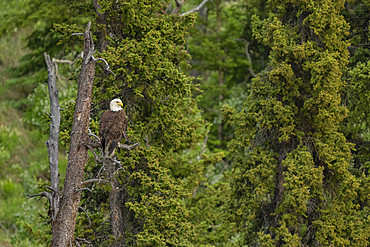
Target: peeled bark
{"x": 64, "y": 226}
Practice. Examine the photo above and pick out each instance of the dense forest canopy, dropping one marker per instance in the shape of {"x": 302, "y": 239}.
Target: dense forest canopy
{"x": 252, "y": 118}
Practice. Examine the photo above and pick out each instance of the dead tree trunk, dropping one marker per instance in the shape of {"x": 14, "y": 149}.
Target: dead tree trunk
{"x": 52, "y": 143}
{"x": 115, "y": 201}
{"x": 64, "y": 225}
{"x": 115, "y": 197}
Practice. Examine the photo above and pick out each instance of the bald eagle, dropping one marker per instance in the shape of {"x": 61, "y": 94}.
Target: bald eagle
{"x": 113, "y": 126}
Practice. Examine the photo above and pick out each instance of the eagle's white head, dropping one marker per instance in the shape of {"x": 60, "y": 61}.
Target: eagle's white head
{"x": 116, "y": 105}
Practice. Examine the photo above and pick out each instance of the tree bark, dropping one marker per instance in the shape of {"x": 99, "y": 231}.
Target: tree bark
{"x": 115, "y": 201}
{"x": 116, "y": 197}
{"x": 64, "y": 226}
{"x": 52, "y": 143}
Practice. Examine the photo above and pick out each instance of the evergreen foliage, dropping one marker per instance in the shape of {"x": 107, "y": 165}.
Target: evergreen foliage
{"x": 297, "y": 171}
{"x": 293, "y": 183}
{"x": 37, "y": 17}
{"x": 355, "y": 96}
{"x": 218, "y": 45}
{"x": 147, "y": 53}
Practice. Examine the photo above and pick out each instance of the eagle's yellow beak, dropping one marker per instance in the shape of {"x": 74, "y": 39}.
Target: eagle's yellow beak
{"x": 119, "y": 103}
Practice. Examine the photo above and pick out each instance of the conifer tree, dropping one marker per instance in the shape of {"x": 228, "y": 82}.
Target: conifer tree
{"x": 146, "y": 51}
{"x": 293, "y": 183}
{"x": 227, "y": 58}
{"x": 37, "y": 17}
{"x": 355, "y": 95}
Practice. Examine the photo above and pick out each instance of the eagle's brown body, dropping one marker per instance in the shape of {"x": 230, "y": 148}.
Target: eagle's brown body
{"x": 113, "y": 126}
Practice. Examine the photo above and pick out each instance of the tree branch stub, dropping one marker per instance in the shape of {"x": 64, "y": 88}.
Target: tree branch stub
{"x": 127, "y": 147}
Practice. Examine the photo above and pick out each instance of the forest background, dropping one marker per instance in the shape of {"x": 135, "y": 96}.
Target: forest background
{"x": 264, "y": 142}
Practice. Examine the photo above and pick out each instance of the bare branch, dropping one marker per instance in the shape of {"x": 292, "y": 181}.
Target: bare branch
{"x": 100, "y": 170}
{"x": 107, "y": 66}
{"x": 7, "y": 230}
{"x": 120, "y": 168}
{"x": 93, "y": 144}
{"x": 57, "y": 72}
{"x": 47, "y": 114}
{"x": 248, "y": 56}
{"x": 93, "y": 180}
{"x": 45, "y": 194}
{"x": 125, "y": 146}
{"x": 97, "y": 160}
{"x": 82, "y": 239}
{"x": 83, "y": 189}
{"x": 249, "y": 59}
{"x": 54, "y": 60}
{"x": 15, "y": 229}
{"x": 92, "y": 134}
{"x": 74, "y": 34}
{"x": 196, "y": 9}
{"x": 85, "y": 213}
{"x": 50, "y": 188}
{"x": 4, "y": 228}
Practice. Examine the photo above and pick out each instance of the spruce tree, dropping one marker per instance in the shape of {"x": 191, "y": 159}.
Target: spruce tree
{"x": 35, "y": 18}
{"x": 160, "y": 180}
{"x": 293, "y": 183}
{"x": 227, "y": 58}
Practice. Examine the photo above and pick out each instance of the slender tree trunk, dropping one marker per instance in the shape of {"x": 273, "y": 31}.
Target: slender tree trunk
{"x": 64, "y": 226}
{"x": 52, "y": 143}
{"x": 115, "y": 201}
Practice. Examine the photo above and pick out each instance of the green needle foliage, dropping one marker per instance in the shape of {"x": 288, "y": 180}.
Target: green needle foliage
{"x": 35, "y": 18}
{"x": 163, "y": 179}
{"x": 355, "y": 95}
{"x": 220, "y": 44}
{"x": 293, "y": 183}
